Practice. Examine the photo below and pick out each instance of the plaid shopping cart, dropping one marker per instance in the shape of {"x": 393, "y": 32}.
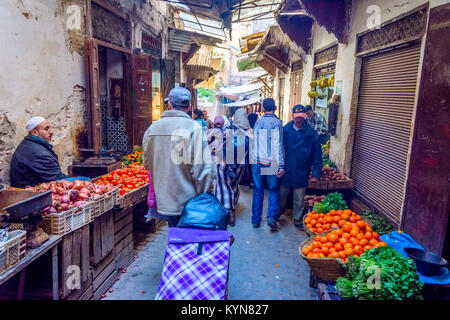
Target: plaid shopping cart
{"x": 195, "y": 265}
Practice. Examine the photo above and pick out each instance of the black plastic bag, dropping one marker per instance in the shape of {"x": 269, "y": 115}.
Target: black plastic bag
{"x": 204, "y": 212}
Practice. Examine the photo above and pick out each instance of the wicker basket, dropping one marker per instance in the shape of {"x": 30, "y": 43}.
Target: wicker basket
{"x": 64, "y": 222}
{"x": 13, "y": 250}
{"x": 135, "y": 196}
{"x": 328, "y": 269}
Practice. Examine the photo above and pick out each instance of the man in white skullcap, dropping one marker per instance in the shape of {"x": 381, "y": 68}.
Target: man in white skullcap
{"x": 34, "y": 160}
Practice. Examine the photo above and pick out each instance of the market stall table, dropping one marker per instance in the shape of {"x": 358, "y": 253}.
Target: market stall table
{"x": 30, "y": 257}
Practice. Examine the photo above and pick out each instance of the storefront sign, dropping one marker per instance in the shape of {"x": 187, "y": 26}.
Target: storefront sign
{"x": 151, "y": 45}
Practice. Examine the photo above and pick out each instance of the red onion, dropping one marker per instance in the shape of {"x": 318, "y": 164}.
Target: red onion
{"x": 85, "y": 190}
{"x": 64, "y": 206}
{"x": 77, "y": 184}
{"x": 65, "y": 199}
{"x": 51, "y": 210}
{"x": 82, "y": 196}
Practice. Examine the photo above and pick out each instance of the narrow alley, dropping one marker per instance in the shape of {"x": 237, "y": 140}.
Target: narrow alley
{"x": 264, "y": 265}
{"x": 138, "y": 136}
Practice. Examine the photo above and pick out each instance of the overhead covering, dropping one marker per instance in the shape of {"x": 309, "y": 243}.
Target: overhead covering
{"x": 243, "y": 103}
{"x": 251, "y": 10}
{"x": 181, "y": 40}
{"x": 296, "y": 23}
{"x": 201, "y": 66}
{"x": 224, "y": 12}
{"x": 334, "y": 15}
{"x": 274, "y": 50}
{"x": 242, "y": 89}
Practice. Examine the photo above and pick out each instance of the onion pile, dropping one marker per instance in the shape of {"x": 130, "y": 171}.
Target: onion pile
{"x": 68, "y": 195}
{"x": 330, "y": 174}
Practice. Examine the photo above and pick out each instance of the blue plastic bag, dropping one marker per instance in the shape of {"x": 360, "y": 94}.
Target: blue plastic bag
{"x": 204, "y": 212}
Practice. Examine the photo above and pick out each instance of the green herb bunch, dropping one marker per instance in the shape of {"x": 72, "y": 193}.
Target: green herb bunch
{"x": 380, "y": 273}
{"x": 332, "y": 201}
{"x": 379, "y": 224}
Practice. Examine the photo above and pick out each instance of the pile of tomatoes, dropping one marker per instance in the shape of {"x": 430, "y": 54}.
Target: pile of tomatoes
{"x": 352, "y": 239}
{"x": 322, "y": 222}
{"x": 127, "y": 179}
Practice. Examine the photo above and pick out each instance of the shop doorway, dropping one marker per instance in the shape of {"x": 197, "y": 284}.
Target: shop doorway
{"x": 119, "y": 97}
{"x": 113, "y": 105}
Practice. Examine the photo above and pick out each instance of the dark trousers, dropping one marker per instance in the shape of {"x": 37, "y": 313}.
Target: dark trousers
{"x": 324, "y": 138}
{"x": 173, "y": 220}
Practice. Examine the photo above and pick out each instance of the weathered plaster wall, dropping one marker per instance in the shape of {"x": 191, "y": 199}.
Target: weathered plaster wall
{"x": 43, "y": 68}
{"x": 152, "y": 15}
{"x": 42, "y": 74}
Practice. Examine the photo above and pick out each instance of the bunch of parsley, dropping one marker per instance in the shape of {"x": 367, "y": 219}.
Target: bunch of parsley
{"x": 380, "y": 274}
{"x": 333, "y": 200}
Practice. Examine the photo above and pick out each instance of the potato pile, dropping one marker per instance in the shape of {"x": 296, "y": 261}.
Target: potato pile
{"x": 331, "y": 174}
{"x": 312, "y": 199}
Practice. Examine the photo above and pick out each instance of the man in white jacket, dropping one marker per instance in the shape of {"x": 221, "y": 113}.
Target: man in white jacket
{"x": 177, "y": 154}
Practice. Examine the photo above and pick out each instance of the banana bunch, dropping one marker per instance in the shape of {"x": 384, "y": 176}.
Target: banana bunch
{"x": 313, "y": 94}
{"x": 313, "y": 84}
{"x": 331, "y": 81}
{"x": 323, "y": 82}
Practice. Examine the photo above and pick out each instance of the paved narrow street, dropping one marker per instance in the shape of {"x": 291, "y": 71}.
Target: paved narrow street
{"x": 264, "y": 265}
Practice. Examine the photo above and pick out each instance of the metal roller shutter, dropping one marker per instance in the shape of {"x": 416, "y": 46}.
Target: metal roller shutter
{"x": 383, "y": 129}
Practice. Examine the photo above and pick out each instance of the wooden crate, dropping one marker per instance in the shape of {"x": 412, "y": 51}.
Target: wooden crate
{"x": 75, "y": 251}
{"x": 322, "y": 185}
{"x": 102, "y": 237}
{"x": 104, "y": 275}
{"x": 123, "y": 237}
{"x": 341, "y": 184}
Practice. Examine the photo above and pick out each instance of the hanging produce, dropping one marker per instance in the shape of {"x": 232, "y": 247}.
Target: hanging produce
{"x": 331, "y": 82}
{"x": 323, "y": 82}
{"x": 313, "y": 94}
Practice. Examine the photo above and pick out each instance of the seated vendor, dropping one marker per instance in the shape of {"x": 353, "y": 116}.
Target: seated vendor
{"x": 34, "y": 160}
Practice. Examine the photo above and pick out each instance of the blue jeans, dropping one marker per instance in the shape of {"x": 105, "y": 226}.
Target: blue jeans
{"x": 273, "y": 185}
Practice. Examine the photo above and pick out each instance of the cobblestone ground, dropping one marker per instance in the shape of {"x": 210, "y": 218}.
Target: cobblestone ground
{"x": 264, "y": 265}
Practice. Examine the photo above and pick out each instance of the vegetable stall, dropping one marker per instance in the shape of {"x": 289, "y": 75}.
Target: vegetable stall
{"x": 359, "y": 257}
{"x": 86, "y": 223}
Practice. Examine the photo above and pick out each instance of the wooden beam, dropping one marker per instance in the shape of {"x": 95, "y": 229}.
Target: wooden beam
{"x": 113, "y": 46}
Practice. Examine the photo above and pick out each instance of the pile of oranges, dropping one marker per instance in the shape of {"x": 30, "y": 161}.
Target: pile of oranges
{"x": 352, "y": 239}
{"x": 322, "y": 222}
{"x": 133, "y": 158}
